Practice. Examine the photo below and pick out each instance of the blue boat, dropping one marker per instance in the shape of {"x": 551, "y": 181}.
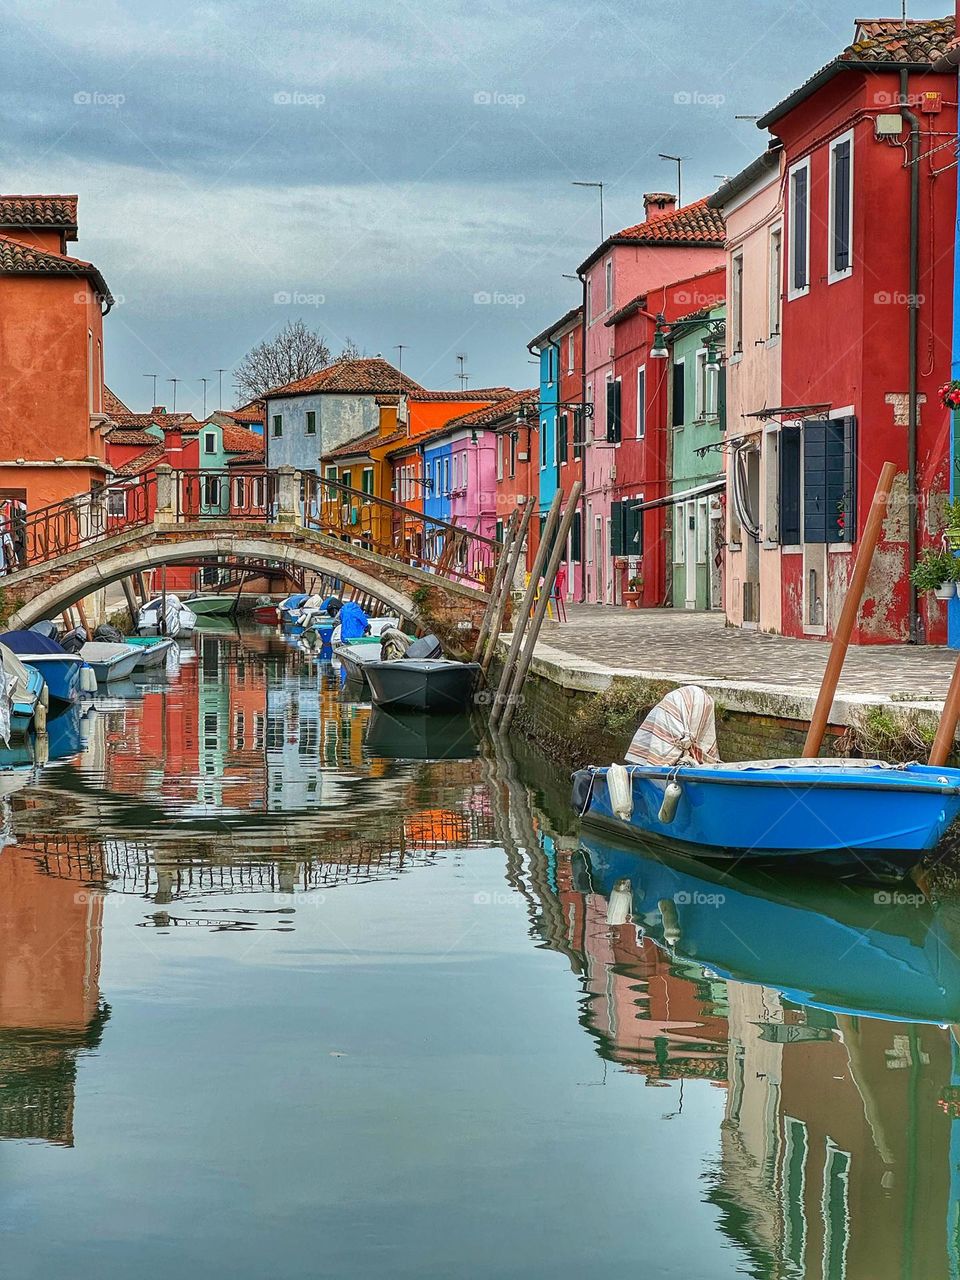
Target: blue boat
{"x": 289, "y": 609}
{"x": 60, "y": 670}
{"x": 856, "y": 813}
{"x": 854, "y": 949}
{"x": 26, "y": 689}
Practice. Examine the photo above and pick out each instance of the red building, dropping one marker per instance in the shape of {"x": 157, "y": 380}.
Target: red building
{"x": 639, "y": 453}
{"x": 859, "y": 383}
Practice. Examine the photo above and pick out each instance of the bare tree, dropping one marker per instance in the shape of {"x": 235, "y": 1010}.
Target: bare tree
{"x": 294, "y": 353}
{"x": 350, "y": 351}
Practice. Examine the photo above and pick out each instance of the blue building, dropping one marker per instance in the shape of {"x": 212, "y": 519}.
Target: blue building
{"x": 436, "y": 473}
{"x": 547, "y": 345}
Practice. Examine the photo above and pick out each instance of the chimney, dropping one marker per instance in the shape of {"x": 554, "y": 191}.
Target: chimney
{"x": 657, "y": 202}
{"x": 157, "y": 410}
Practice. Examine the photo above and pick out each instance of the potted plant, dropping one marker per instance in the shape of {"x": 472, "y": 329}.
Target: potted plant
{"x": 951, "y": 518}
{"x": 936, "y": 571}
{"x": 634, "y": 591}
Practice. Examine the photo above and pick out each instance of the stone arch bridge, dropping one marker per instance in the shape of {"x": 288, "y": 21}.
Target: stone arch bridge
{"x": 417, "y": 566}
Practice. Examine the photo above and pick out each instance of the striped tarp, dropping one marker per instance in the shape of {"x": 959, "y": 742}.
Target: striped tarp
{"x": 679, "y": 730}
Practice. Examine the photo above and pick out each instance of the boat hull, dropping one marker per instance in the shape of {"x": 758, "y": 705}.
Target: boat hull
{"x": 61, "y": 673}
{"x": 24, "y": 705}
{"x": 434, "y": 686}
{"x": 109, "y": 666}
{"x": 266, "y": 613}
{"x": 211, "y": 606}
{"x": 151, "y": 650}
{"x": 354, "y": 657}
{"x": 887, "y": 816}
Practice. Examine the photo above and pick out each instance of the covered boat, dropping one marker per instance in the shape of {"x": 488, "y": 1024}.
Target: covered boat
{"x": 178, "y": 620}
{"x": 864, "y": 815}
{"x": 289, "y": 608}
{"x": 60, "y": 669}
{"x": 110, "y": 661}
{"x": 24, "y": 697}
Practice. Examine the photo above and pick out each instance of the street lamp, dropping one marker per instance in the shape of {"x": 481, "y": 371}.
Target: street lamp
{"x": 599, "y": 187}
{"x": 659, "y": 349}
{"x": 678, "y": 161}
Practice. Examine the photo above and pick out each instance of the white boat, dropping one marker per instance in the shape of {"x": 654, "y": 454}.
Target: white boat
{"x": 180, "y": 620}
{"x": 110, "y": 661}
{"x": 152, "y": 651}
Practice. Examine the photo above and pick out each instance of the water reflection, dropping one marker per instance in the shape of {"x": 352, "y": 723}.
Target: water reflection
{"x": 793, "y": 1039}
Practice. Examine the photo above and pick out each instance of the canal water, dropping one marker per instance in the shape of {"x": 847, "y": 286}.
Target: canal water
{"x": 288, "y": 989}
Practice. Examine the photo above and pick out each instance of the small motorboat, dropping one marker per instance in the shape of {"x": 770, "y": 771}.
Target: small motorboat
{"x": 110, "y": 661}
{"x": 265, "y": 610}
{"x": 178, "y": 619}
{"x": 355, "y": 656}
{"x": 60, "y": 669}
{"x": 211, "y": 606}
{"x": 289, "y": 609}
{"x": 151, "y": 650}
{"x": 25, "y": 697}
{"x": 423, "y": 684}
{"x": 861, "y": 815}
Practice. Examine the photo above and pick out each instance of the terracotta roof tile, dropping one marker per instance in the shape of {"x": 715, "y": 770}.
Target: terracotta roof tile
{"x": 494, "y": 413}
{"x": 254, "y": 411}
{"x": 40, "y": 211}
{"x": 17, "y": 258}
{"x": 143, "y": 461}
{"x": 695, "y": 223}
{"x": 240, "y": 440}
{"x": 477, "y": 393}
{"x": 131, "y": 436}
{"x": 361, "y": 448}
{"x": 359, "y": 377}
{"x": 166, "y": 421}
{"x": 878, "y": 42}
{"x": 112, "y": 404}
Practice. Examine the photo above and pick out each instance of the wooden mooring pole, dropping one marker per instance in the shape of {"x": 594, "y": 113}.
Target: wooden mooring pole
{"x": 949, "y": 719}
{"x": 849, "y": 612}
{"x": 518, "y": 549}
{"x": 508, "y": 536}
{"x": 543, "y": 603}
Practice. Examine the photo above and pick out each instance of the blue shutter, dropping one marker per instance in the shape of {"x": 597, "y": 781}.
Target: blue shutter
{"x": 817, "y": 521}
{"x": 841, "y": 206}
{"x": 841, "y": 472}
{"x": 799, "y": 229}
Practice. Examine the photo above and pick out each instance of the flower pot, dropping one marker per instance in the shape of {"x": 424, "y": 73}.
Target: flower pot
{"x": 947, "y": 591}
{"x": 632, "y": 599}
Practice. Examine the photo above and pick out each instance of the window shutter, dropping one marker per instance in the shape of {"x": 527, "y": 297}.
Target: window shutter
{"x": 790, "y": 485}
{"x": 678, "y": 394}
{"x": 841, "y": 206}
{"x": 579, "y": 443}
{"x": 633, "y": 525}
{"x": 799, "y": 229}
{"x": 613, "y": 411}
{"x": 576, "y": 538}
{"x": 840, "y": 471}
{"x": 818, "y": 520}
{"x": 562, "y": 437}
{"x": 616, "y": 529}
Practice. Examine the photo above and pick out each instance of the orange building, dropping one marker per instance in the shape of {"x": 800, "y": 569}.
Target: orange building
{"x": 51, "y": 353}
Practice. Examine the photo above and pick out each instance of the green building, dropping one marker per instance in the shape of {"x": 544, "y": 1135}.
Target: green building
{"x": 697, "y": 417}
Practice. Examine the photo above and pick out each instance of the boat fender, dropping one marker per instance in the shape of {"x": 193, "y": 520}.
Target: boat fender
{"x": 88, "y": 680}
{"x": 671, "y": 921}
{"x": 40, "y": 718}
{"x": 671, "y": 799}
{"x": 41, "y": 749}
{"x": 621, "y": 792}
{"x": 620, "y": 903}
{"x": 44, "y": 697}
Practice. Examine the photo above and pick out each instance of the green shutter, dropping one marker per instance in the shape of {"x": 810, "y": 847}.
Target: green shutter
{"x": 790, "y": 486}
{"x": 616, "y": 529}
{"x": 576, "y": 538}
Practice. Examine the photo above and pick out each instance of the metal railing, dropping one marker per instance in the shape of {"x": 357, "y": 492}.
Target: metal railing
{"x": 228, "y": 494}
{"x": 88, "y": 518}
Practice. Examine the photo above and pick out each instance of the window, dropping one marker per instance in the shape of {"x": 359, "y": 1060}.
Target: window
{"x": 331, "y": 474}
{"x": 346, "y": 479}
{"x": 579, "y": 443}
{"x": 513, "y": 454}
{"x": 211, "y": 491}
{"x": 99, "y": 383}
{"x": 571, "y": 351}
{"x": 626, "y": 528}
{"x": 446, "y": 476}
{"x": 589, "y": 294}
{"x": 818, "y": 498}
{"x": 311, "y": 422}
{"x": 366, "y": 480}
{"x": 799, "y": 189}
{"x": 641, "y": 402}
{"x": 679, "y": 392}
{"x": 613, "y": 410}
{"x": 563, "y": 426}
{"x": 771, "y": 486}
{"x": 841, "y": 208}
{"x": 792, "y": 1195}
{"x": 736, "y": 301}
{"x": 836, "y": 1212}
{"x": 706, "y": 391}
{"x": 500, "y": 455}
{"x": 776, "y": 270}
{"x": 277, "y": 424}
{"x": 90, "y": 372}
{"x": 608, "y": 285}
{"x": 239, "y": 492}
{"x": 576, "y": 538}
{"x": 543, "y": 443}
{"x": 116, "y": 502}
{"x": 679, "y": 533}
{"x": 209, "y": 442}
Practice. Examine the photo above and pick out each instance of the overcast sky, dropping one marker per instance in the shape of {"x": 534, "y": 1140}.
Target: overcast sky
{"x": 374, "y": 167}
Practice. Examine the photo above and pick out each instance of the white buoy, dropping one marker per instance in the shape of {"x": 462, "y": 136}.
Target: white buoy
{"x": 40, "y": 718}
{"x": 620, "y": 789}
{"x": 671, "y": 799}
{"x": 88, "y": 680}
{"x": 620, "y": 903}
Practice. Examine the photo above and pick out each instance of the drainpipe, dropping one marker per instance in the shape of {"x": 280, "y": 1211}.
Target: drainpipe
{"x": 913, "y": 327}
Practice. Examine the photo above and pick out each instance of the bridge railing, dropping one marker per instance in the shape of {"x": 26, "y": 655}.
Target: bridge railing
{"x": 397, "y": 532}
{"x": 231, "y": 493}
{"x": 76, "y": 522}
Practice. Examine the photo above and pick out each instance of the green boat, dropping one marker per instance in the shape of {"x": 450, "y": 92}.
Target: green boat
{"x": 153, "y": 650}
{"x": 211, "y": 606}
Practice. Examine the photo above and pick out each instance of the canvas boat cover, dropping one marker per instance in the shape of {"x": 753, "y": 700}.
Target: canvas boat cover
{"x": 31, "y": 642}
{"x": 679, "y": 730}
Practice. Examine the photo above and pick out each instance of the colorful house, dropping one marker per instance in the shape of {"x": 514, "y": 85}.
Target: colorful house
{"x": 864, "y": 348}
{"x": 638, "y": 262}
{"x": 752, "y": 206}
{"x": 51, "y": 336}
{"x": 696, "y": 470}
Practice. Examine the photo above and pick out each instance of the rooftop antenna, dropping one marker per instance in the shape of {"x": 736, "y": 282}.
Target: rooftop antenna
{"x": 903, "y": 9}
{"x": 154, "y": 377}
{"x": 678, "y": 161}
{"x": 204, "y": 381}
{"x": 463, "y": 377}
{"x": 220, "y": 373}
{"x": 400, "y": 348}
{"x": 599, "y": 187}
{"x": 174, "y": 381}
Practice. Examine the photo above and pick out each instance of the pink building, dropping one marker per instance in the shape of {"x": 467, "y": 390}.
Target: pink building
{"x": 670, "y": 245}
{"x": 752, "y": 205}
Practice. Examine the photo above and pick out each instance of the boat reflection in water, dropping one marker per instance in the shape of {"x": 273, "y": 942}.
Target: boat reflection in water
{"x": 411, "y": 735}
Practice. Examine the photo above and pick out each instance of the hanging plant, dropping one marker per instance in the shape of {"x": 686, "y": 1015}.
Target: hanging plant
{"x": 950, "y": 394}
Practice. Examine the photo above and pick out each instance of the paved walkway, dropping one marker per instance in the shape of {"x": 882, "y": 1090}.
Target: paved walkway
{"x": 747, "y": 668}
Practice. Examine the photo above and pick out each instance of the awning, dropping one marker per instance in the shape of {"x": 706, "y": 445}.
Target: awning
{"x": 714, "y": 486}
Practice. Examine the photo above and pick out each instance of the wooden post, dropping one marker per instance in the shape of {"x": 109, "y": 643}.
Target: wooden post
{"x": 162, "y": 619}
{"x": 543, "y": 603}
{"x": 849, "y": 612}
{"x": 523, "y": 616}
{"x": 496, "y": 586}
{"x": 82, "y": 615}
{"x": 131, "y": 600}
{"x": 516, "y": 552}
{"x": 950, "y": 717}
